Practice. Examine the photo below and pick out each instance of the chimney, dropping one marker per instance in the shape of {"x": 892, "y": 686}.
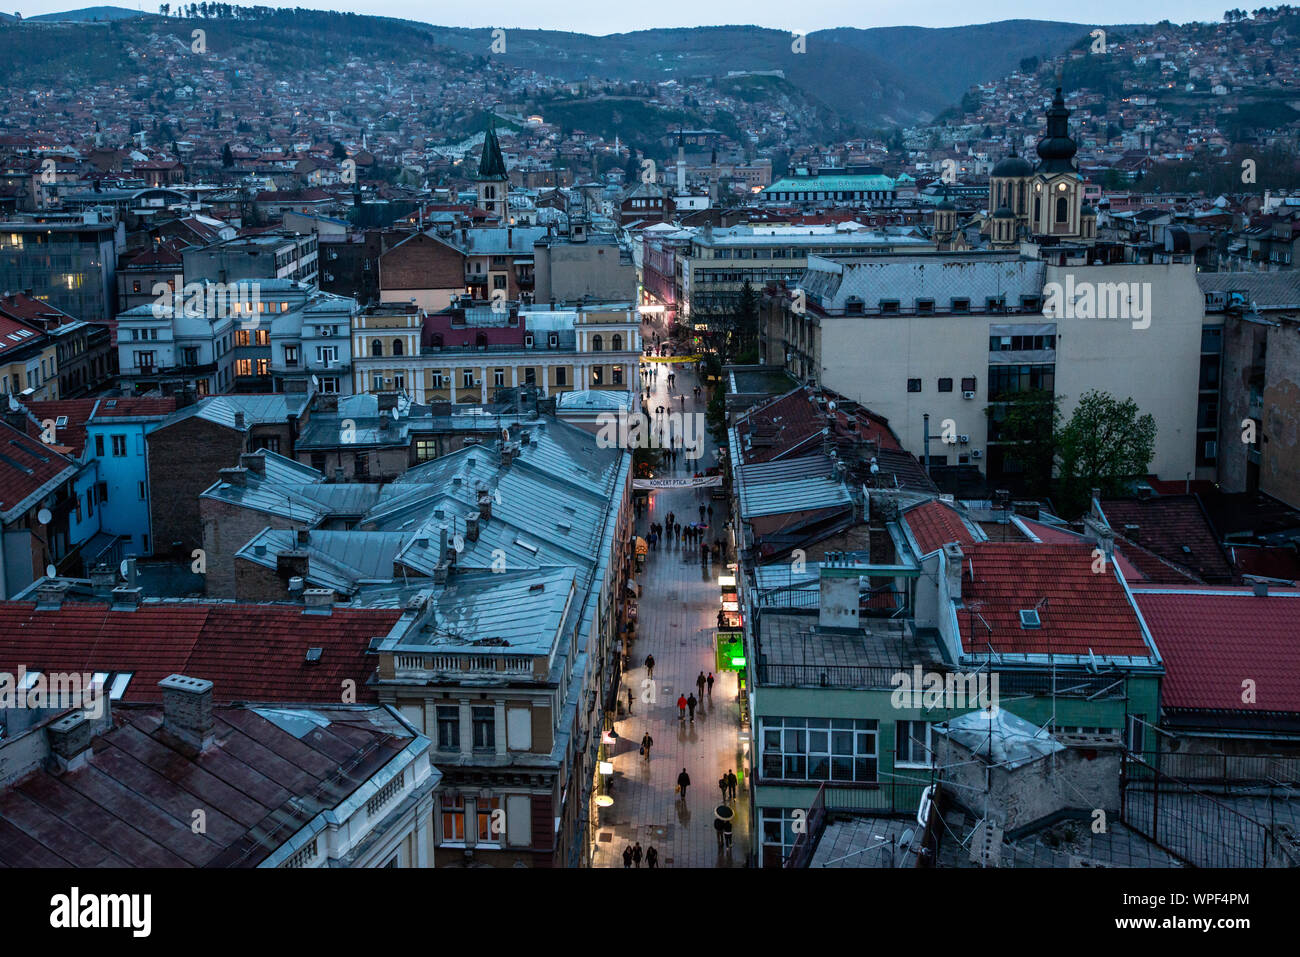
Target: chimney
{"x": 1260, "y": 589}
{"x": 485, "y": 504}
{"x": 338, "y": 474}
{"x": 292, "y": 564}
{"x": 1131, "y": 532}
{"x": 254, "y": 462}
{"x": 471, "y": 526}
{"x": 304, "y": 536}
{"x": 507, "y": 454}
{"x": 953, "y": 555}
{"x": 320, "y": 601}
{"x": 1027, "y": 509}
{"x": 187, "y": 709}
{"x": 234, "y": 476}
{"x": 49, "y": 594}
{"x": 103, "y": 579}
{"x": 239, "y": 421}
{"x": 129, "y": 571}
{"x": 440, "y": 572}
{"x": 126, "y": 598}
{"x": 70, "y": 738}
{"x": 295, "y": 585}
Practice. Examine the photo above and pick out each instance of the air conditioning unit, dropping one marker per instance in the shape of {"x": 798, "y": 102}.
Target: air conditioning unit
{"x": 968, "y": 395}
{"x": 964, "y": 439}
{"x": 977, "y": 453}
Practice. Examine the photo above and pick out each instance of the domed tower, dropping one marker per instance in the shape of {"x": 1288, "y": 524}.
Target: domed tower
{"x": 945, "y": 216}
{"x": 491, "y": 179}
{"x": 1009, "y": 185}
{"x": 1003, "y": 231}
{"x": 1057, "y": 197}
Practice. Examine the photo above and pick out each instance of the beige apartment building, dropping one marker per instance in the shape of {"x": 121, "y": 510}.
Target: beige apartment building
{"x": 464, "y": 353}
{"x": 946, "y": 334}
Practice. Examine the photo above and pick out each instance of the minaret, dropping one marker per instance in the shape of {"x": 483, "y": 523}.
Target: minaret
{"x": 491, "y": 179}
{"x": 681, "y": 164}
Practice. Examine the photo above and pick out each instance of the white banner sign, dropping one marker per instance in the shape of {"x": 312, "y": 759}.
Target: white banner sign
{"x": 707, "y": 481}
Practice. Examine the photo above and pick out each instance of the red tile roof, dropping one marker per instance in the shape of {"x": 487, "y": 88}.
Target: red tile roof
{"x": 1213, "y": 640}
{"x": 135, "y": 406}
{"x": 15, "y": 335}
{"x": 26, "y": 465}
{"x": 781, "y": 427}
{"x": 935, "y": 524}
{"x": 250, "y": 652}
{"x": 31, "y": 310}
{"x": 72, "y": 435}
{"x": 1083, "y": 611}
{"x": 1176, "y": 528}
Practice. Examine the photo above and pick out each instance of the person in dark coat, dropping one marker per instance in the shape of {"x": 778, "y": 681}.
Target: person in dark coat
{"x": 652, "y": 857}
{"x": 731, "y": 783}
{"x": 722, "y": 786}
{"x": 627, "y": 856}
{"x": 636, "y": 854}
{"x": 717, "y": 828}
{"x": 683, "y": 782}
{"x": 646, "y": 744}
{"x": 709, "y": 682}
{"x": 699, "y": 683}
{"x": 690, "y": 704}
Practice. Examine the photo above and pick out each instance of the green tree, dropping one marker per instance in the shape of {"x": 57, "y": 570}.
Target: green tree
{"x": 227, "y": 157}
{"x": 1105, "y": 444}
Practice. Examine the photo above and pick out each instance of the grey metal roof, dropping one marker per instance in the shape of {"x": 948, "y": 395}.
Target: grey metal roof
{"x": 520, "y": 613}
{"x": 258, "y": 409}
{"x": 789, "y": 485}
{"x": 339, "y": 560}
{"x": 1269, "y": 290}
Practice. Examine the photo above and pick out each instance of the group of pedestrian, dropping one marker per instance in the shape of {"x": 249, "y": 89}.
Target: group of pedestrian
{"x": 727, "y": 785}
{"x": 701, "y": 682}
{"x": 632, "y": 855}
{"x": 684, "y": 705}
{"x": 723, "y": 830}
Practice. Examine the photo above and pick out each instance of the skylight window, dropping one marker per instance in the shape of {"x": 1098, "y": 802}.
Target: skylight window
{"x": 1029, "y": 618}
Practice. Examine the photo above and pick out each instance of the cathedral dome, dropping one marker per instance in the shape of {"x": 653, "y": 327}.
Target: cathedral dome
{"x": 1012, "y": 166}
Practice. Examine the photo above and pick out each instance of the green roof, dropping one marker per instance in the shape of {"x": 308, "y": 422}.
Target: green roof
{"x": 849, "y": 182}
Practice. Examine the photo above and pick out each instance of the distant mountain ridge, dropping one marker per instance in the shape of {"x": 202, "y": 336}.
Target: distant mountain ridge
{"x": 847, "y": 78}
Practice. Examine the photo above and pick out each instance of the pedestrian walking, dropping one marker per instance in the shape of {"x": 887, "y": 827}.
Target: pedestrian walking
{"x": 722, "y": 786}
{"x": 710, "y": 514}
{"x": 627, "y": 856}
{"x": 629, "y": 700}
{"x": 699, "y": 683}
{"x": 731, "y": 783}
{"x": 681, "y": 707}
{"x": 717, "y": 829}
{"x": 647, "y": 743}
{"x": 637, "y": 854}
{"x": 650, "y": 666}
{"x": 651, "y": 857}
{"x": 709, "y": 682}
{"x": 722, "y": 621}
{"x": 683, "y": 782}
{"x": 691, "y": 703}
{"x": 677, "y": 532}
{"x": 726, "y": 834}
{"x": 704, "y": 553}
{"x": 670, "y": 521}
{"x": 701, "y": 513}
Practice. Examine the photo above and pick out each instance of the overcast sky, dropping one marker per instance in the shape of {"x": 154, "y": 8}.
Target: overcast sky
{"x": 603, "y": 16}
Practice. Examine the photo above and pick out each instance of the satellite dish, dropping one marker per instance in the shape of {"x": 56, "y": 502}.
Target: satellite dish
{"x": 13, "y": 403}
{"x": 51, "y": 571}
{"x": 315, "y": 383}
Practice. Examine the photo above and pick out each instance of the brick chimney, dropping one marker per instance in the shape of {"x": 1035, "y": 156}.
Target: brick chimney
{"x": 320, "y": 601}
{"x": 187, "y": 709}
{"x": 239, "y": 421}
{"x": 103, "y": 579}
{"x": 71, "y": 736}
{"x": 254, "y": 463}
{"x": 471, "y": 526}
{"x": 485, "y": 504}
{"x": 233, "y": 476}
{"x": 126, "y": 598}
{"x": 49, "y": 594}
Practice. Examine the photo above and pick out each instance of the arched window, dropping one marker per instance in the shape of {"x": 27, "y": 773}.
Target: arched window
{"x": 1062, "y": 210}
{"x": 616, "y": 343}
{"x": 376, "y": 348}
{"x": 397, "y": 347}
{"x": 597, "y": 344}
